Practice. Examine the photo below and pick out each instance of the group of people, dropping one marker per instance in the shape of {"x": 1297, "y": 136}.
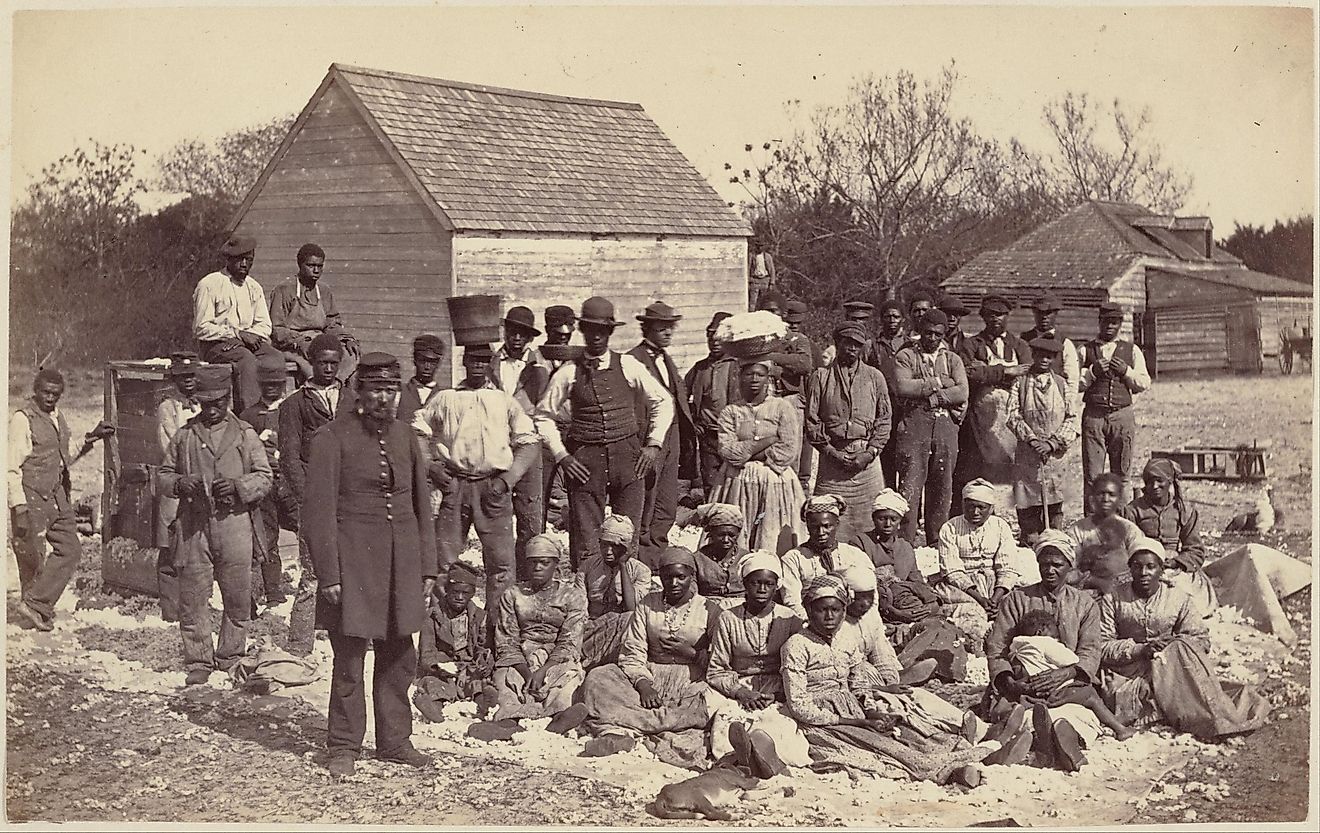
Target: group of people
{"x": 798, "y": 632}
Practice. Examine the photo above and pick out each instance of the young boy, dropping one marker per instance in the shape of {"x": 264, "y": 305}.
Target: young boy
{"x": 455, "y": 662}
{"x": 1035, "y": 648}
{"x": 275, "y": 510}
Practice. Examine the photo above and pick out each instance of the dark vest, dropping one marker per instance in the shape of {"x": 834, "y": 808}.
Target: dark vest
{"x": 603, "y": 404}
{"x": 1106, "y": 390}
{"x": 44, "y": 469}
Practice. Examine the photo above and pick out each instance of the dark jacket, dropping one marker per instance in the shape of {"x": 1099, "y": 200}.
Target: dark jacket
{"x": 682, "y": 431}
{"x": 301, "y": 413}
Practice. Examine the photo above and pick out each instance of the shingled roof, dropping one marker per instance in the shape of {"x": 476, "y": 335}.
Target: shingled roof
{"x": 1259, "y": 283}
{"x": 506, "y": 160}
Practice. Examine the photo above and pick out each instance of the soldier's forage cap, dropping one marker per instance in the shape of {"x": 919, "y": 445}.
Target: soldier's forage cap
{"x": 429, "y": 346}
{"x": 795, "y": 312}
{"x": 996, "y": 303}
{"x": 858, "y": 310}
{"x": 183, "y": 364}
{"x": 852, "y": 331}
{"x": 214, "y": 381}
{"x": 239, "y": 245}
{"x": 270, "y": 368}
{"x": 478, "y": 351}
{"x": 1047, "y": 302}
{"x": 522, "y": 318}
{"x": 1045, "y": 344}
{"x": 378, "y": 367}
{"x": 1110, "y": 310}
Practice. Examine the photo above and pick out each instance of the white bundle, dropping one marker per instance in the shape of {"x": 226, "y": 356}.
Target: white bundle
{"x": 747, "y": 325}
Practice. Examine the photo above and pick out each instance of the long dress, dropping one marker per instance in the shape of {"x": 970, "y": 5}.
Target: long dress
{"x": 607, "y": 620}
{"x": 825, "y": 682}
{"x": 1040, "y": 407}
{"x": 765, "y": 486}
{"x": 801, "y": 564}
{"x": 667, "y": 645}
{"x": 1177, "y": 526}
{"x": 744, "y": 654}
{"x": 539, "y": 628}
{"x": 719, "y": 580}
{"x": 1178, "y": 686}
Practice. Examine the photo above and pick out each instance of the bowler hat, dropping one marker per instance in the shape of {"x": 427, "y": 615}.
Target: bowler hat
{"x": 523, "y": 318}
{"x": 950, "y": 305}
{"x": 270, "y": 368}
{"x": 795, "y": 312}
{"x": 214, "y": 381}
{"x": 598, "y": 310}
{"x": 996, "y": 303}
{"x": 380, "y": 366}
{"x": 559, "y": 316}
{"x": 1109, "y": 309}
{"x": 661, "y": 313}
{"x": 183, "y": 363}
{"x": 238, "y": 245}
{"x": 428, "y": 346}
{"x": 1045, "y": 344}
{"x": 1046, "y": 302}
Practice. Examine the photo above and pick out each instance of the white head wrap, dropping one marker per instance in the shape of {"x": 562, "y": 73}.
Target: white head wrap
{"x": 891, "y": 500}
{"x": 759, "y": 560}
{"x": 858, "y": 579}
{"x": 980, "y": 490}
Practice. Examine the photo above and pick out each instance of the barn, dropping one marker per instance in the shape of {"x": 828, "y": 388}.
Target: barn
{"x": 421, "y": 189}
{"x": 1190, "y": 305}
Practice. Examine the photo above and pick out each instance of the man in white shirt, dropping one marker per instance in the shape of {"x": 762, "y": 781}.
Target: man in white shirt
{"x": 517, "y": 370}
{"x": 1112, "y": 372}
{"x": 606, "y": 458}
{"x": 231, "y": 320}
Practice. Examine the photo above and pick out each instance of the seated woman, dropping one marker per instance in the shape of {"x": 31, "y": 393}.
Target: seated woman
{"x": 659, "y": 683}
{"x": 830, "y": 688}
{"x": 454, "y": 660}
{"x": 1154, "y": 658}
{"x": 615, "y": 582}
{"x": 820, "y": 554}
{"x": 975, "y": 552}
{"x": 1103, "y": 539}
{"x": 1056, "y": 736}
{"x": 1161, "y": 514}
{"x": 538, "y": 641}
{"x": 744, "y": 667}
{"x": 760, "y": 440}
{"x": 718, "y": 556}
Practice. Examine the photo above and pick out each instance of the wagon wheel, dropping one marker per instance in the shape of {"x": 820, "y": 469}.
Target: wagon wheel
{"x": 1285, "y": 359}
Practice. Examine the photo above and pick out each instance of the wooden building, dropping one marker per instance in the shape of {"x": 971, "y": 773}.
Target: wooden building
{"x": 1190, "y": 305}
{"x": 420, "y": 189}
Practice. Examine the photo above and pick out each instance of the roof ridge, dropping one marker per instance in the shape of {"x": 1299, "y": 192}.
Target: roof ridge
{"x": 482, "y": 88}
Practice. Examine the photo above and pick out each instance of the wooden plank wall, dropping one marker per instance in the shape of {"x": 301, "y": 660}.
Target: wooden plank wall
{"x": 1165, "y": 290}
{"x": 1077, "y": 319}
{"x": 1277, "y": 313}
{"x": 1191, "y": 339}
{"x": 697, "y": 275}
{"x": 387, "y": 257}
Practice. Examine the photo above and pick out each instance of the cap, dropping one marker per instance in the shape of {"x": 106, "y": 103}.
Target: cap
{"x": 429, "y": 346}
{"x": 559, "y": 316}
{"x": 851, "y": 330}
{"x": 1045, "y": 344}
{"x": 1046, "y": 302}
{"x": 214, "y": 381}
{"x": 716, "y": 319}
{"x": 795, "y": 312}
{"x": 477, "y": 351}
{"x": 461, "y": 572}
{"x": 858, "y": 309}
{"x": 1109, "y": 309}
{"x": 522, "y": 317}
{"x": 270, "y": 368}
{"x": 183, "y": 364}
{"x": 598, "y": 310}
{"x": 238, "y": 245}
{"x": 325, "y": 342}
{"x": 996, "y": 303}
{"x": 660, "y": 312}
{"x": 950, "y": 305}
{"x": 379, "y": 366}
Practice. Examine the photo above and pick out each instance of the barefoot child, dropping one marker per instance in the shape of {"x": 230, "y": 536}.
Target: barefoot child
{"x": 1036, "y": 648}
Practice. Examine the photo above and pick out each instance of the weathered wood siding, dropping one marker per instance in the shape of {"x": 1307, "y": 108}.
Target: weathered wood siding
{"x": 1077, "y": 319}
{"x": 697, "y": 275}
{"x": 387, "y": 257}
{"x": 1191, "y": 339}
{"x": 1278, "y": 313}
{"x": 1165, "y": 290}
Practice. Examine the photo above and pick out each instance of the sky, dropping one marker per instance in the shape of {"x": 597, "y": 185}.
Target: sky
{"x": 1231, "y": 90}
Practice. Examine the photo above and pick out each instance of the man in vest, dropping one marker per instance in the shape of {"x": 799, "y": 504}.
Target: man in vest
{"x": 1112, "y": 371}
{"x": 605, "y": 456}
{"x": 954, "y": 310}
{"x": 517, "y": 370}
{"x": 428, "y": 352}
{"x": 175, "y": 409}
{"x": 320, "y": 399}
{"x": 711, "y": 383}
{"x": 993, "y": 358}
{"x": 231, "y": 321}
{"x": 678, "y": 454}
{"x": 301, "y": 309}
{"x": 217, "y": 468}
{"x": 1046, "y": 308}
{"x": 560, "y": 322}
{"x": 39, "y": 499}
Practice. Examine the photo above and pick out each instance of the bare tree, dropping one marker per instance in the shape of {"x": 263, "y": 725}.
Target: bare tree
{"x": 223, "y": 170}
{"x": 1126, "y": 165}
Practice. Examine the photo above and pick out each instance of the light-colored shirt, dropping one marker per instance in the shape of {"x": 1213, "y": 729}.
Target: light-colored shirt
{"x": 20, "y": 446}
{"x": 869, "y": 631}
{"x": 556, "y": 406}
{"x": 474, "y": 431}
{"x": 802, "y": 564}
{"x": 329, "y": 395}
{"x": 222, "y": 308}
{"x": 978, "y": 557}
{"x": 172, "y": 414}
{"x": 1137, "y": 377}
{"x": 745, "y": 649}
{"x": 510, "y": 368}
{"x": 1040, "y": 653}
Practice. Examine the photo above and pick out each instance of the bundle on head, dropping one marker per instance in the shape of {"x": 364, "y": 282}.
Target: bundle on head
{"x": 750, "y": 333}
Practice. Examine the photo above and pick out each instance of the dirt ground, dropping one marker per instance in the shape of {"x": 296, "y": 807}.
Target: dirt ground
{"x": 84, "y": 745}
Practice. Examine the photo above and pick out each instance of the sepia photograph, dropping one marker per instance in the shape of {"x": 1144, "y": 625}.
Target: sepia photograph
{"x": 783, "y": 415}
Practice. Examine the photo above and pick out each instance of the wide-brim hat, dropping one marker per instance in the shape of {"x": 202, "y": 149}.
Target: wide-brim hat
{"x": 523, "y": 318}
{"x": 599, "y": 311}
{"x": 214, "y": 382}
{"x": 239, "y": 245}
{"x": 660, "y": 313}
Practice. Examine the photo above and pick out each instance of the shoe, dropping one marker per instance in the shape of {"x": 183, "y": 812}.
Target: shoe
{"x": 198, "y": 676}
{"x": 1042, "y": 750}
{"x": 765, "y": 761}
{"x": 1015, "y": 750}
{"x": 31, "y": 619}
{"x": 431, "y": 709}
{"x": 742, "y": 744}
{"x": 969, "y": 775}
{"x": 341, "y": 766}
{"x": 407, "y": 756}
{"x": 607, "y": 745}
{"x": 489, "y": 730}
{"x": 568, "y": 720}
{"x": 276, "y": 600}
{"x": 1068, "y": 747}
{"x": 918, "y": 672}
{"x": 1012, "y": 725}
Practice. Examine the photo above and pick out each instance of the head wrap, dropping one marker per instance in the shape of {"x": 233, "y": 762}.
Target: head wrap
{"x": 981, "y": 490}
{"x": 759, "y": 560}
{"x": 1053, "y": 539}
{"x": 825, "y": 586}
{"x": 324, "y": 342}
{"x": 617, "y": 529}
{"x": 859, "y": 579}
{"x": 891, "y": 500}
{"x": 463, "y": 573}
{"x": 1163, "y": 468}
{"x": 1149, "y": 545}
{"x": 677, "y": 555}
{"x": 543, "y": 546}
{"x": 708, "y": 515}
{"x": 823, "y": 503}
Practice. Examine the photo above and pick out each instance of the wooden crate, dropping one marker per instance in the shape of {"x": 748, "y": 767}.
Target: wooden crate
{"x": 1219, "y": 462}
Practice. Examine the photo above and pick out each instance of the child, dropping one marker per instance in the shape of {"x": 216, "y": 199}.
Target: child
{"x": 455, "y": 663}
{"x": 276, "y": 509}
{"x": 1036, "y": 648}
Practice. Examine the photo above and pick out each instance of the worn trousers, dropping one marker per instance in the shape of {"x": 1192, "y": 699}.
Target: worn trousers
{"x": 394, "y": 664}
{"x": 660, "y": 506}
{"x": 218, "y": 551}
{"x": 611, "y": 483}
{"x": 465, "y": 504}
{"x": 167, "y": 577}
{"x": 302, "y": 618}
{"x": 709, "y": 460}
{"x": 42, "y": 577}
{"x": 244, "y": 361}
{"x": 926, "y": 453}
{"x": 1107, "y": 443}
{"x": 267, "y": 569}
{"x": 528, "y": 509}
{"x": 1033, "y": 520}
